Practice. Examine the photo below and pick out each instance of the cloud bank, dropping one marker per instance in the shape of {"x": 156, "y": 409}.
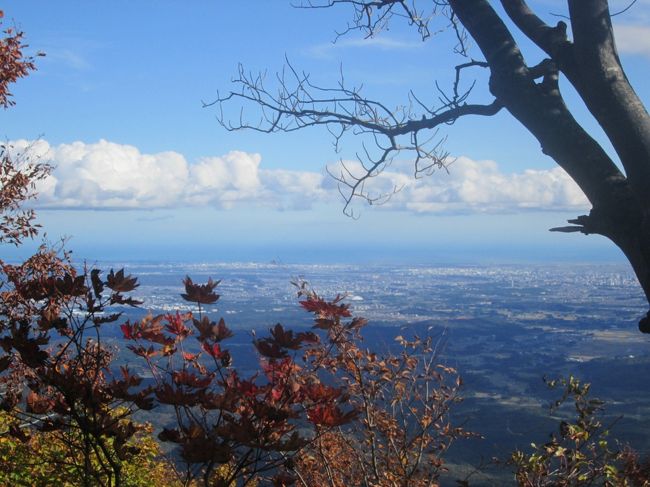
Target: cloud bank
{"x": 477, "y": 187}
{"x": 107, "y": 175}
{"x": 633, "y": 39}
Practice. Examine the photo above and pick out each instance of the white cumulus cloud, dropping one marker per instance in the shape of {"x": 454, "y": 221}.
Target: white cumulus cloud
{"x": 118, "y": 176}
{"x": 633, "y": 39}
{"x": 476, "y": 187}
{"x": 107, "y": 175}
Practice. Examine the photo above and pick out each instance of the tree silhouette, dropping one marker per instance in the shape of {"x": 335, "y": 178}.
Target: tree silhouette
{"x": 588, "y": 59}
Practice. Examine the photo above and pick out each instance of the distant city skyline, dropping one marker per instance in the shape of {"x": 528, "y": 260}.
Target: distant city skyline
{"x": 143, "y": 171}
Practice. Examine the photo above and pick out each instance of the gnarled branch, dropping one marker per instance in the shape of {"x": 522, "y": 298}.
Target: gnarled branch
{"x": 372, "y": 16}
{"x": 297, "y": 103}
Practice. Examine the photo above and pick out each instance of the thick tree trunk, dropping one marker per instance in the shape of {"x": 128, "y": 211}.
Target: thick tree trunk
{"x": 621, "y": 205}
{"x": 628, "y": 229}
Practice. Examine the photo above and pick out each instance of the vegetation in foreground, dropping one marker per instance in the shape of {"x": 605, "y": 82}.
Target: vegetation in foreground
{"x": 321, "y": 409}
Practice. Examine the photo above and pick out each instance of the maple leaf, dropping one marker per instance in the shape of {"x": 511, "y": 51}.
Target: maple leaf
{"x": 149, "y": 328}
{"x": 216, "y": 352}
{"x": 330, "y": 416}
{"x": 127, "y": 378}
{"x": 287, "y": 338}
{"x": 70, "y": 285}
{"x": 190, "y": 357}
{"x": 268, "y": 348}
{"x": 247, "y": 388}
{"x": 30, "y": 352}
{"x": 200, "y": 293}
{"x": 130, "y": 332}
{"x": 211, "y": 330}
{"x": 222, "y": 331}
{"x": 143, "y": 401}
{"x": 319, "y": 392}
{"x": 176, "y": 326}
{"x": 14, "y": 64}
{"x": 281, "y": 339}
{"x": 145, "y": 353}
{"x": 166, "y": 394}
{"x": 120, "y": 283}
{"x": 327, "y": 309}
{"x": 186, "y": 378}
{"x": 202, "y": 449}
{"x": 110, "y": 318}
{"x": 323, "y": 323}
{"x": 276, "y": 370}
{"x": 37, "y": 404}
{"x": 357, "y": 323}
{"x": 213, "y": 350}
{"x": 98, "y": 285}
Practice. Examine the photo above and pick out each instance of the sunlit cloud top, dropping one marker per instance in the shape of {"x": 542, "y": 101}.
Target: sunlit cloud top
{"x": 107, "y": 175}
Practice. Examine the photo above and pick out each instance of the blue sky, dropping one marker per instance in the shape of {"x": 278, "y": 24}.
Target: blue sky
{"x": 145, "y": 172}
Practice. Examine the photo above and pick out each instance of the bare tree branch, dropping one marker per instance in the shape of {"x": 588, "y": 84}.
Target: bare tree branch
{"x": 550, "y": 39}
{"x": 297, "y": 103}
{"x": 603, "y": 85}
{"x": 531, "y": 93}
{"x": 372, "y": 16}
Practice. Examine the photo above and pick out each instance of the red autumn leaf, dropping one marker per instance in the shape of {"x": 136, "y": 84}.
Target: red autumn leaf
{"x": 131, "y": 380}
{"x": 212, "y": 350}
{"x": 276, "y": 393}
{"x": 145, "y": 353}
{"x": 247, "y": 388}
{"x": 267, "y": 348}
{"x": 166, "y": 394}
{"x": 175, "y": 325}
{"x": 30, "y": 352}
{"x": 200, "y": 293}
{"x": 186, "y": 378}
{"x": 277, "y": 370}
{"x": 287, "y": 338}
{"x": 321, "y": 392}
{"x": 70, "y": 285}
{"x": 222, "y": 331}
{"x": 203, "y": 449}
{"x": 120, "y": 283}
{"x": 327, "y": 309}
{"x": 357, "y": 323}
{"x": 143, "y": 400}
{"x": 149, "y": 328}
{"x": 209, "y": 330}
{"x": 129, "y": 331}
{"x": 323, "y": 323}
{"x": 330, "y": 416}
{"x": 38, "y": 404}
{"x": 14, "y": 64}
{"x": 281, "y": 339}
{"x": 110, "y": 318}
